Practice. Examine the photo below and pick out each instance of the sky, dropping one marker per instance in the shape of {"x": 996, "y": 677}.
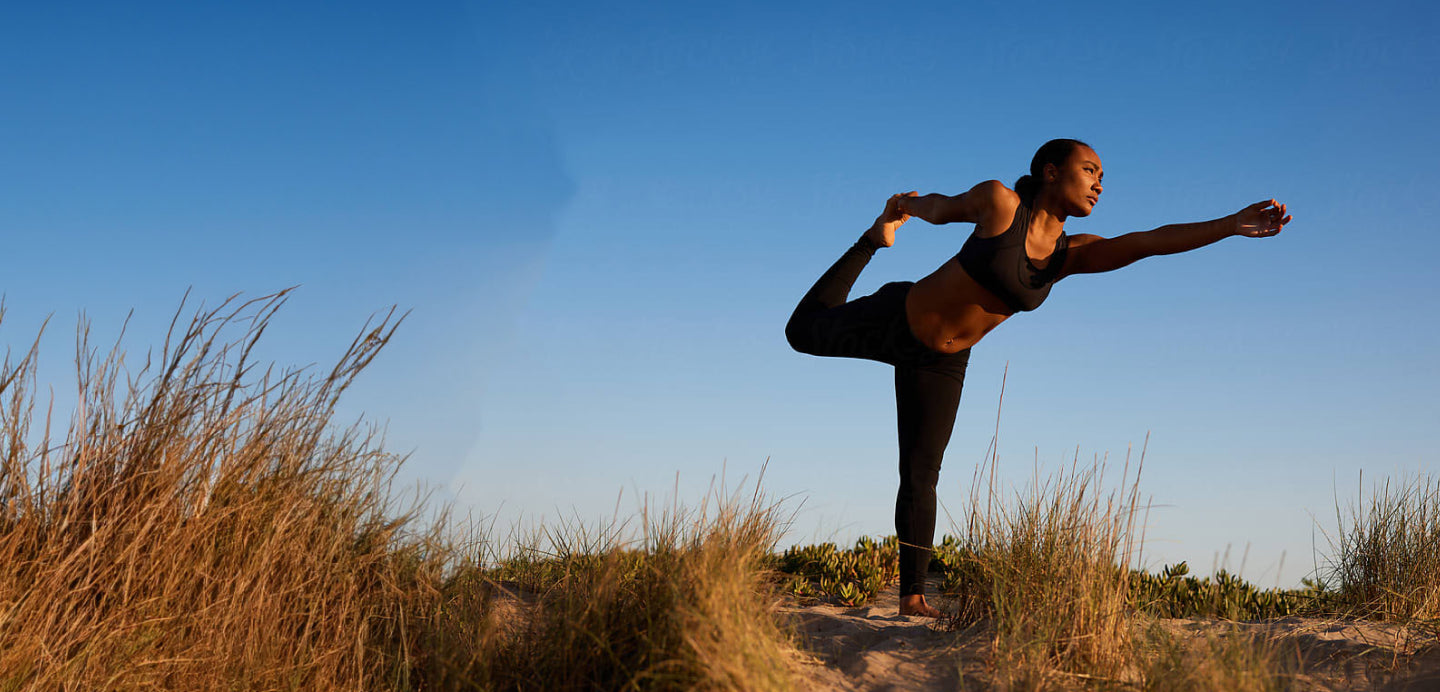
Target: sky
{"x": 599, "y": 217}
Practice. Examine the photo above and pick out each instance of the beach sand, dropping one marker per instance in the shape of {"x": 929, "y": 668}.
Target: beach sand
{"x": 874, "y": 648}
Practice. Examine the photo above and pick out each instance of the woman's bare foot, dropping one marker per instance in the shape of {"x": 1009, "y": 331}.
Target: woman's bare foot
{"x": 882, "y": 233}
{"x": 916, "y": 605}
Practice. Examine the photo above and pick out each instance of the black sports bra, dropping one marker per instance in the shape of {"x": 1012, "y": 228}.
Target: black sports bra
{"x": 1000, "y": 265}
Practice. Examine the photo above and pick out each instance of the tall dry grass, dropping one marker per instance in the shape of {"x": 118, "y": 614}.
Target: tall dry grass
{"x": 205, "y": 525}
{"x": 1045, "y": 570}
{"x": 1385, "y": 559}
{"x": 687, "y": 604}
{"x": 1048, "y": 572}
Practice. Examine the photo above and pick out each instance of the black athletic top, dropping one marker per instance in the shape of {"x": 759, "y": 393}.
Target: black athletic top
{"x": 1000, "y": 265}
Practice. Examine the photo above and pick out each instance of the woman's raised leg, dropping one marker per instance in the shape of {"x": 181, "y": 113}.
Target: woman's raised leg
{"x": 815, "y": 327}
{"x": 808, "y": 331}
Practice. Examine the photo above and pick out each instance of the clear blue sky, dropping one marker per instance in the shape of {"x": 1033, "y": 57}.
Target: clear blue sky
{"x": 602, "y": 216}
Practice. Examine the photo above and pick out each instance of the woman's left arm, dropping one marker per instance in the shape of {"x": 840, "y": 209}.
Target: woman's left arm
{"x": 1092, "y": 254}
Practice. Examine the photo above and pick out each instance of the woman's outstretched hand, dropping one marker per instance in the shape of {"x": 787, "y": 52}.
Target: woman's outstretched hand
{"x": 1261, "y": 219}
{"x": 882, "y": 233}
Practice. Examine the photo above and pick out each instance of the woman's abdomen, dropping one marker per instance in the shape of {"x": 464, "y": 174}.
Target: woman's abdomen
{"x": 949, "y": 312}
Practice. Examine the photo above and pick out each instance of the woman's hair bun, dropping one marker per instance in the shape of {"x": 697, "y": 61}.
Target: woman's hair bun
{"x": 1026, "y": 187}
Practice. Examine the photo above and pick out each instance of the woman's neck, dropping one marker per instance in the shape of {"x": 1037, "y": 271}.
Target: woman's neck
{"x": 1046, "y": 217}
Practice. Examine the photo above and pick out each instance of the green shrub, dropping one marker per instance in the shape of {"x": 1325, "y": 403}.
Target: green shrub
{"x": 847, "y": 577}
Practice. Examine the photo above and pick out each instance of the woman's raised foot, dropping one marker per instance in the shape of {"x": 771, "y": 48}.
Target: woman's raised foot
{"x": 882, "y": 232}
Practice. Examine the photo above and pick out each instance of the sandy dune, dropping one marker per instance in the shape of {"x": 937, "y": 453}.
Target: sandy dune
{"x": 874, "y": 648}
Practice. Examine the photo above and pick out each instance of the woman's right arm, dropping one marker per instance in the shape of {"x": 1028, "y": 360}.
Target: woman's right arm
{"x": 969, "y": 207}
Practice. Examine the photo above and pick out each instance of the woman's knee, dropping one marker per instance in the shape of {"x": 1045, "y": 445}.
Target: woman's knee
{"x": 920, "y": 473}
{"x": 797, "y": 332}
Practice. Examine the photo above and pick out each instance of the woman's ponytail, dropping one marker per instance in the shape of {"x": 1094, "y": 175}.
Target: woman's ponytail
{"x": 1026, "y": 187}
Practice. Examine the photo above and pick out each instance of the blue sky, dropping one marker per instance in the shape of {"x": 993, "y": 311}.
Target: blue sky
{"x": 601, "y": 216}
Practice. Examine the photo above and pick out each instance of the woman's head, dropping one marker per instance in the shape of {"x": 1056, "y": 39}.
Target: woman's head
{"x": 1052, "y": 163}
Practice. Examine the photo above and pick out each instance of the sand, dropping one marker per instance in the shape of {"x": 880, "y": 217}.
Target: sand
{"x": 874, "y": 648}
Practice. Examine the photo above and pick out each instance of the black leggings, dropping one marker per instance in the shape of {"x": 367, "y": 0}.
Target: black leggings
{"x": 927, "y": 389}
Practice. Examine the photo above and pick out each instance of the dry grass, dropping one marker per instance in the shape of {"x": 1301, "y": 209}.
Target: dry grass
{"x": 200, "y": 524}
{"x": 1047, "y": 573}
{"x": 1386, "y": 553}
{"x": 205, "y": 526}
{"x": 1043, "y": 571}
{"x": 1047, "y": 569}
{"x": 1221, "y": 658}
{"x": 688, "y": 604}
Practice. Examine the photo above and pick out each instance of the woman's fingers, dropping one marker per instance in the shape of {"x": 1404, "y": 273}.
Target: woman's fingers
{"x": 1262, "y": 219}
{"x": 893, "y": 212}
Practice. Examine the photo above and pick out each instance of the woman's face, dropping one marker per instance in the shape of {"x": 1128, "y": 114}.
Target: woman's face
{"x": 1076, "y": 185}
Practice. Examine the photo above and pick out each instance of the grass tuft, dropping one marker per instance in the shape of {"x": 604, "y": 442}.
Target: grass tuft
{"x": 204, "y": 525}
{"x": 1042, "y": 569}
{"x": 1217, "y": 659}
{"x": 201, "y": 523}
{"x": 689, "y": 604}
{"x": 1386, "y": 552}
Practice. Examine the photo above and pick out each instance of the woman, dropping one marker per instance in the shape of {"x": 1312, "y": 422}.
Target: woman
{"x": 925, "y": 329}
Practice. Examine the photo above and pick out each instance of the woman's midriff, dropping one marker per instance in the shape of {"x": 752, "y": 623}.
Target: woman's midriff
{"x": 949, "y": 312}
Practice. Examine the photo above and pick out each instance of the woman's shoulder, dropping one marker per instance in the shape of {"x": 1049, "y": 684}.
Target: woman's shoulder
{"x": 995, "y": 193}
{"x": 994, "y": 207}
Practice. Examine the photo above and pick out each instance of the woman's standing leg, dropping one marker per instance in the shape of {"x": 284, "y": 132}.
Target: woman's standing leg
{"x": 926, "y": 399}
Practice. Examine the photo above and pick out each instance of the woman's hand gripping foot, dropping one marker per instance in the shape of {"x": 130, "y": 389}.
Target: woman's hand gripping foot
{"x": 882, "y": 232}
